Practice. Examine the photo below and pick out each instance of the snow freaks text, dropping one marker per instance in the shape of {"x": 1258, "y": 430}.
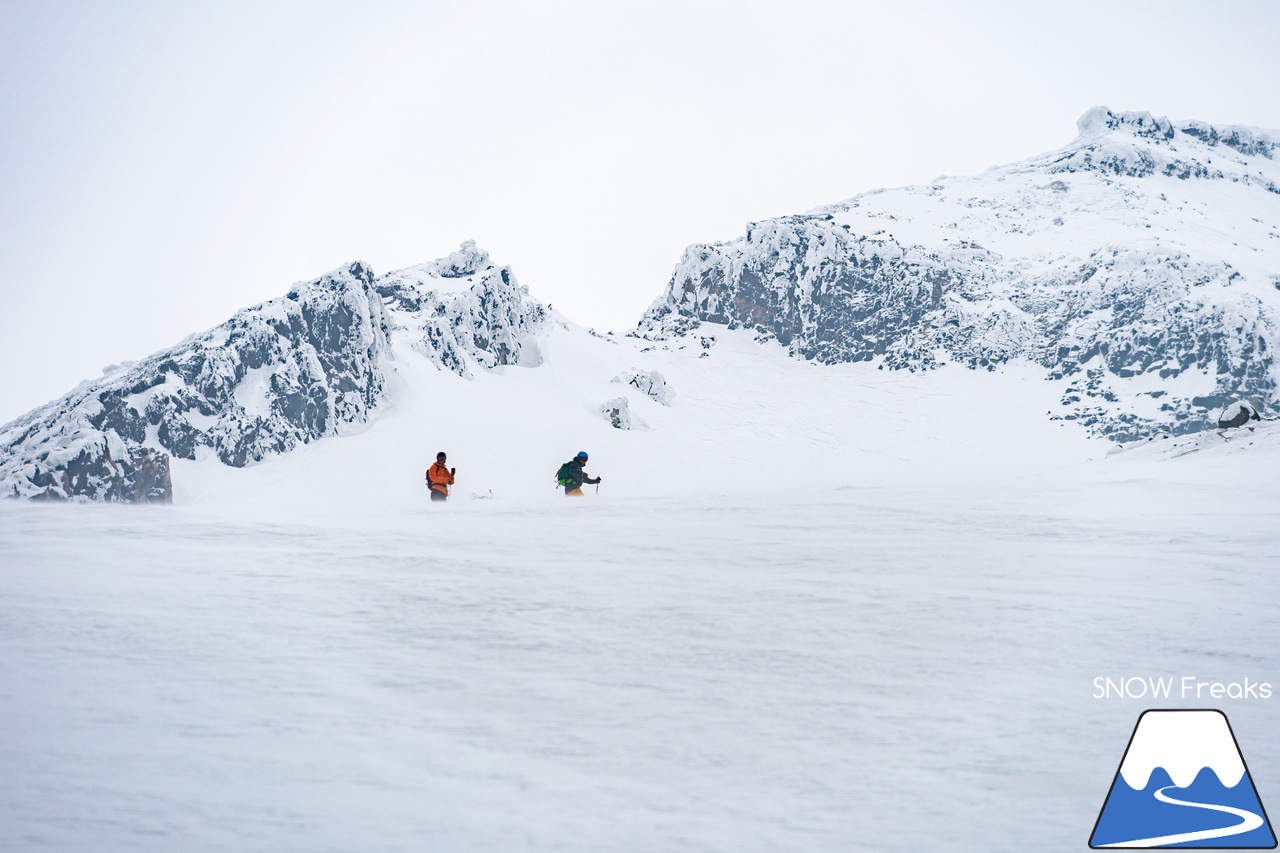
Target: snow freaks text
{"x": 1186, "y": 687}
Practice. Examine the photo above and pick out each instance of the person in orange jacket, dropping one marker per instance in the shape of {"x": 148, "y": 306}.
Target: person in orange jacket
{"x": 440, "y": 478}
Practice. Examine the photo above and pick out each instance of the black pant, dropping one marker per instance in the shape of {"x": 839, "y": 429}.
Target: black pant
{"x": 438, "y": 495}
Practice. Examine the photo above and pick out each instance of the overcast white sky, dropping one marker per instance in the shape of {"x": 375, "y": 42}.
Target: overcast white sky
{"x": 163, "y": 164}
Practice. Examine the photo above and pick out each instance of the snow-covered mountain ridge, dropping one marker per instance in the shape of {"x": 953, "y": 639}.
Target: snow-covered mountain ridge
{"x": 464, "y": 310}
{"x": 1129, "y": 282}
{"x": 1139, "y": 266}
{"x": 307, "y": 365}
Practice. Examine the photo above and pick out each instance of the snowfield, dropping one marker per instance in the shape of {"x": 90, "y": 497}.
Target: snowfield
{"x": 810, "y": 608}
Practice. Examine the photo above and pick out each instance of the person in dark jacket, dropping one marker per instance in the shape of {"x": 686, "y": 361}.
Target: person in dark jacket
{"x": 440, "y": 478}
{"x": 575, "y": 476}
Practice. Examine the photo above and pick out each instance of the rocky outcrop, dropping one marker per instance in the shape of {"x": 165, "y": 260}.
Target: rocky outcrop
{"x": 139, "y": 476}
{"x": 275, "y": 376}
{"x": 1139, "y": 145}
{"x": 808, "y": 282}
{"x": 651, "y": 383}
{"x": 618, "y": 413}
{"x": 465, "y": 312}
{"x": 1096, "y": 262}
{"x": 1237, "y": 415}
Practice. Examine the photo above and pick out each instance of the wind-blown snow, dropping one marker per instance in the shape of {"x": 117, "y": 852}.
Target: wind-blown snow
{"x": 903, "y": 663}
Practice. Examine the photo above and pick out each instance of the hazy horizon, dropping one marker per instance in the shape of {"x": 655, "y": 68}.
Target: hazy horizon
{"x": 165, "y": 166}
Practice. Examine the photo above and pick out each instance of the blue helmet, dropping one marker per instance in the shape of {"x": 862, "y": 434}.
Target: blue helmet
{"x": 582, "y": 454}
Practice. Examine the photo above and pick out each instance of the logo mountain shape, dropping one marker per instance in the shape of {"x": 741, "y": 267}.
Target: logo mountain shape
{"x": 1183, "y": 783}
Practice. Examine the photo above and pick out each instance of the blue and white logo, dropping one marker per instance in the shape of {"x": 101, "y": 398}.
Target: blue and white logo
{"x": 1183, "y": 783}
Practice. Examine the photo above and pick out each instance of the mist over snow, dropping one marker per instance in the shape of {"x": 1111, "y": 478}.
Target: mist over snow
{"x": 776, "y": 623}
{"x": 168, "y": 164}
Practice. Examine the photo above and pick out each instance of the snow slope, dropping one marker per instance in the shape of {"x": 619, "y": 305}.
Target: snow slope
{"x": 744, "y": 419}
{"x": 343, "y": 391}
{"x": 811, "y": 607}
{"x": 1248, "y": 439}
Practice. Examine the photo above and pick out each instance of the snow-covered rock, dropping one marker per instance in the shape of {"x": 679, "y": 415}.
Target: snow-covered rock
{"x": 618, "y": 413}
{"x": 464, "y": 312}
{"x": 284, "y": 373}
{"x": 468, "y": 260}
{"x": 1253, "y": 437}
{"x": 274, "y": 376}
{"x": 1138, "y": 265}
{"x": 1237, "y": 415}
{"x": 140, "y": 475}
{"x": 651, "y": 383}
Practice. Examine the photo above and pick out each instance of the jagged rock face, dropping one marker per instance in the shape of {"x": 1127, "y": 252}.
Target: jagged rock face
{"x": 828, "y": 294}
{"x": 283, "y": 373}
{"x": 140, "y": 476}
{"x": 276, "y": 376}
{"x": 1143, "y": 253}
{"x": 1106, "y": 144}
{"x": 464, "y": 311}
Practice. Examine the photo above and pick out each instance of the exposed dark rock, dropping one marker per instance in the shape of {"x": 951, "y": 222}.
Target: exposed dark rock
{"x": 275, "y": 376}
{"x": 483, "y": 317}
{"x": 1237, "y": 415}
{"x": 270, "y": 379}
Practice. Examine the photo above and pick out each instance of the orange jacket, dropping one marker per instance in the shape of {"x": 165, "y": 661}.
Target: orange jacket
{"x": 439, "y": 478}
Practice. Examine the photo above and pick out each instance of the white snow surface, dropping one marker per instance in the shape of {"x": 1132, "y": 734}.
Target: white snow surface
{"x": 1222, "y": 210}
{"x": 1249, "y": 440}
{"x": 811, "y": 608}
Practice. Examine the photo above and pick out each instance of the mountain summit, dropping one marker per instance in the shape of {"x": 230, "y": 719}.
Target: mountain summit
{"x": 1139, "y": 266}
